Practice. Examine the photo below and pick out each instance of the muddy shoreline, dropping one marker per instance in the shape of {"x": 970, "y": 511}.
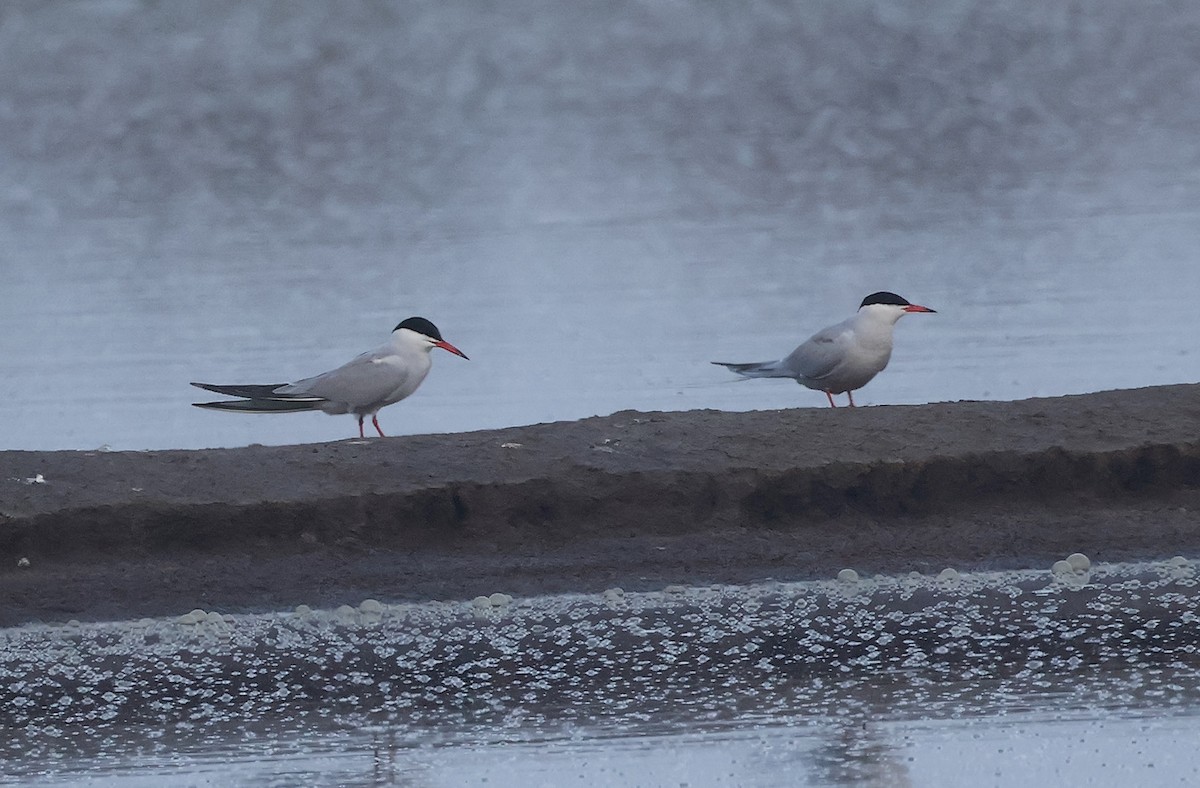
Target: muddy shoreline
{"x": 637, "y": 500}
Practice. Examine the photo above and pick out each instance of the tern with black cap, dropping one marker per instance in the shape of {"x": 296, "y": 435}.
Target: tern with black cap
{"x": 374, "y": 380}
{"x": 843, "y": 357}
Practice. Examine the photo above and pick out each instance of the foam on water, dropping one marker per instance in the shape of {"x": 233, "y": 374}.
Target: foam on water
{"x": 1101, "y": 640}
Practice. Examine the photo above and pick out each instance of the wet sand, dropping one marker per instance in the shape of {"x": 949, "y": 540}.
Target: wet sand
{"x": 637, "y": 500}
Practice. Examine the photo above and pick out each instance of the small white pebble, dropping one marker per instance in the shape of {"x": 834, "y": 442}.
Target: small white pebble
{"x": 511, "y": 445}
{"x": 1079, "y": 562}
{"x": 948, "y": 574}
{"x": 614, "y": 593}
{"x": 22, "y": 562}
{"x": 303, "y": 610}
{"x": 345, "y": 611}
{"x": 214, "y": 618}
{"x": 1179, "y": 562}
{"x": 848, "y": 576}
{"x": 481, "y": 603}
{"x": 499, "y": 600}
{"x": 370, "y": 606}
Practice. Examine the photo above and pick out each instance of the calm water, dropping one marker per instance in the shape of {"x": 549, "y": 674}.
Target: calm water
{"x": 591, "y": 202}
{"x": 1073, "y": 677}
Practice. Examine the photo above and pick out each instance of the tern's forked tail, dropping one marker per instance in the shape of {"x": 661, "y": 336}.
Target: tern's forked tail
{"x": 757, "y": 369}
{"x": 262, "y": 405}
{"x": 258, "y": 399}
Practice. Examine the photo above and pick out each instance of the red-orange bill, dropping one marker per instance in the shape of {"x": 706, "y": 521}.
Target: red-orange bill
{"x": 444, "y": 345}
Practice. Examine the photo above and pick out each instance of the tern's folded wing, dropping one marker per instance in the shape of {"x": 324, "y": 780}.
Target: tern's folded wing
{"x": 364, "y": 382}
{"x": 820, "y": 354}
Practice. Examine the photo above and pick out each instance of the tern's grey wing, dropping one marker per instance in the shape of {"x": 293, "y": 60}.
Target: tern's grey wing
{"x": 373, "y": 379}
{"x": 821, "y": 353}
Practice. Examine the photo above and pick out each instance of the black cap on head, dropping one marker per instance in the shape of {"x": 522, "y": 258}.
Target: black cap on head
{"x": 883, "y": 297}
{"x": 421, "y": 326}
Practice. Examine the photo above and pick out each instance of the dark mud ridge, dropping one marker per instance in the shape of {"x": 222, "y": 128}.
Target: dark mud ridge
{"x": 637, "y": 500}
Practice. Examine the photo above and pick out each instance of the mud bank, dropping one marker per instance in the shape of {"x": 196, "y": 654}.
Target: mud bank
{"x": 632, "y": 499}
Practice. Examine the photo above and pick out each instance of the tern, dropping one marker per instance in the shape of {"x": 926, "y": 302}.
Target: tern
{"x": 841, "y": 357}
{"x": 373, "y": 380}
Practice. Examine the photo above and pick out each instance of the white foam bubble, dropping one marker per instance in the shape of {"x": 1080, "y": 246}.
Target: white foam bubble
{"x": 194, "y": 617}
{"x": 1079, "y": 562}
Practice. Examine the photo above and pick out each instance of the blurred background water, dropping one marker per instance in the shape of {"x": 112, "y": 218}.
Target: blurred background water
{"x": 592, "y": 200}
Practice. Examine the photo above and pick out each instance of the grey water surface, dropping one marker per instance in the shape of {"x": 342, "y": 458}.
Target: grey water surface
{"x": 592, "y": 200}
{"x": 1079, "y": 675}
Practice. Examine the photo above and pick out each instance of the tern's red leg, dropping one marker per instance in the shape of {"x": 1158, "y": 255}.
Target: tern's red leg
{"x": 375, "y": 421}
{"x": 360, "y": 429}
{"x": 832, "y": 404}
{"x": 850, "y": 394}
